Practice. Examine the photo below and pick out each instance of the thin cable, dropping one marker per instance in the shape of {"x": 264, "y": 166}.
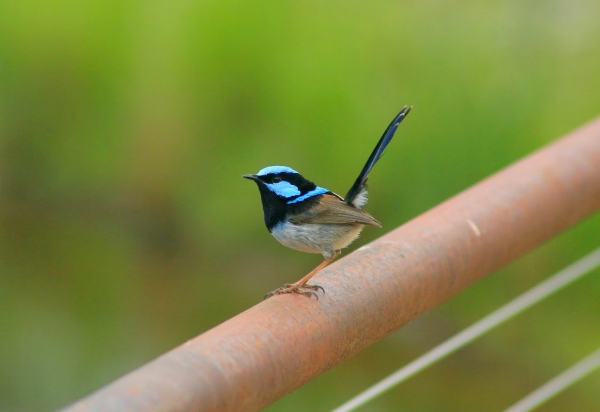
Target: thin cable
{"x": 556, "y": 385}
{"x": 514, "y": 307}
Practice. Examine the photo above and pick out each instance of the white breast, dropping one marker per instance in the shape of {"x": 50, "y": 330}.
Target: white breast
{"x": 316, "y": 238}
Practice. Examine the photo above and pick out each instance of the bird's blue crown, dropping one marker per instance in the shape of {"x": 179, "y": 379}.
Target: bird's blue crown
{"x": 276, "y": 170}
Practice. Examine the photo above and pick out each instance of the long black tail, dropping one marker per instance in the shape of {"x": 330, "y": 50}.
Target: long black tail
{"x": 359, "y": 184}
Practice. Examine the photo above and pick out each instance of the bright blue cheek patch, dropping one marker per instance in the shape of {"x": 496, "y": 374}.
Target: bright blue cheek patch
{"x": 283, "y": 189}
{"x": 315, "y": 192}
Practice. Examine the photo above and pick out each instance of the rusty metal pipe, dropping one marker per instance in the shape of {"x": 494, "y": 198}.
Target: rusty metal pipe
{"x": 282, "y": 343}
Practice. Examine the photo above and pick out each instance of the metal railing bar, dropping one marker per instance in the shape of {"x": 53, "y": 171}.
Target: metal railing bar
{"x": 519, "y": 304}
{"x": 264, "y": 353}
{"x": 558, "y": 383}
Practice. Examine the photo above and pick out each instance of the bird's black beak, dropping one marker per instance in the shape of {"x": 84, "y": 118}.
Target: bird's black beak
{"x": 251, "y": 177}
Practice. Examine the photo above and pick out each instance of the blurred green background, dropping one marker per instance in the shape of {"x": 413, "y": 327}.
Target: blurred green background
{"x": 126, "y": 227}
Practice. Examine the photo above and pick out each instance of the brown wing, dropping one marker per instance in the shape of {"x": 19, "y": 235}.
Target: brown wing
{"x": 332, "y": 209}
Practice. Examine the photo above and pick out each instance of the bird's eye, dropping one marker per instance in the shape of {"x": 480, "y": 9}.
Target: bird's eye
{"x": 276, "y": 179}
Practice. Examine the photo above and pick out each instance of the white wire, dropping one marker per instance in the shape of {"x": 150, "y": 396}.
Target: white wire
{"x": 514, "y": 307}
{"x": 557, "y": 384}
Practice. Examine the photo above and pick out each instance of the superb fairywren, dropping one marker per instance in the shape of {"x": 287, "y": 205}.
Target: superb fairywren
{"x": 310, "y": 218}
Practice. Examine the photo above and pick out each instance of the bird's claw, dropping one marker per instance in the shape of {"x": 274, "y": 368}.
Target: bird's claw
{"x": 314, "y": 287}
{"x": 294, "y": 288}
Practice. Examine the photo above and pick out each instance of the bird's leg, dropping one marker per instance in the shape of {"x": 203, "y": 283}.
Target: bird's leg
{"x": 301, "y": 284}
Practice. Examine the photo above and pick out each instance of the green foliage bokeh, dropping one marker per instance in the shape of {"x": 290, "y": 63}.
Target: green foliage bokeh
{"x": 126, "y": 228}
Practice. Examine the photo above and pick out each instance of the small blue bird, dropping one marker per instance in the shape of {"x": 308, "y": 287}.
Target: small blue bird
{"x": 310, "y": 218}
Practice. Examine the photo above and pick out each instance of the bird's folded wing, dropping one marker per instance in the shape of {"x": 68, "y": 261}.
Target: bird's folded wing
{"x": 331, "y": 209}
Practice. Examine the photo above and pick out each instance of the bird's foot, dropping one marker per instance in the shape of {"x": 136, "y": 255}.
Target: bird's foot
{"x": 295, "y": 288}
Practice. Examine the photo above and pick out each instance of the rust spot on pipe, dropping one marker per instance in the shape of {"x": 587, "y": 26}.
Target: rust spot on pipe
{"x": 280, "y": 344}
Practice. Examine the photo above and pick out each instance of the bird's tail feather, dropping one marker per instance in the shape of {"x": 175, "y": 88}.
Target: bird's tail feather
{"x": 359, "y": 184}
